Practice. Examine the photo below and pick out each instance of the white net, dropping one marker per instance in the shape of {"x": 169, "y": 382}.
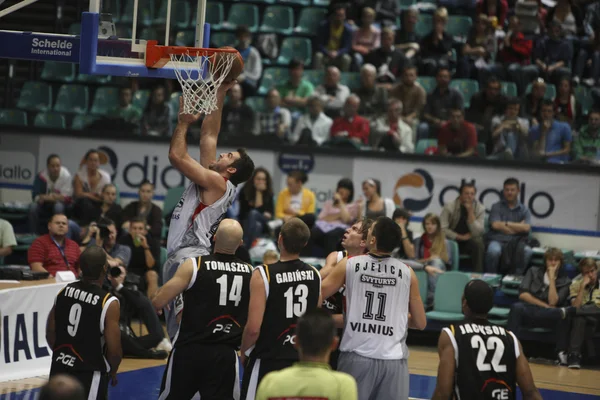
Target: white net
{"x": 200, "y": 77}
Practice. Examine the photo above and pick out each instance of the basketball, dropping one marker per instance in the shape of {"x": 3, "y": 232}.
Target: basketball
{"x": 236, "y": 68}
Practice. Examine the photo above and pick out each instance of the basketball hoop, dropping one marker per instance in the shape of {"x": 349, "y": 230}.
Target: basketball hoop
{"x": 199, "y": 71}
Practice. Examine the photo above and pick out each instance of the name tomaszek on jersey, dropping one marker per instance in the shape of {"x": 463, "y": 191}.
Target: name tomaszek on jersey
{"x": 226, "y": 266}
{"x": 294, "y": 276}
{"x": 378, "y": 267}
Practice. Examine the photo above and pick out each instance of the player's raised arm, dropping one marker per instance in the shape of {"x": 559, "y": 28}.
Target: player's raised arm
{"x": 211, "y": 126}
{"x": 183, "y": 279}
{"x": 418, "y": 319}
{"x": 524, "y": 377}
{"x": 445, "y": 377}
{"x": 330, "y": 263}
{"x": 335, "y": 280}
{"x": 256, "y": 311}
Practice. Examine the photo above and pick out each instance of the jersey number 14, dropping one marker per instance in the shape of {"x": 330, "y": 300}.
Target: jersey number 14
{"x": 235, "y": 293}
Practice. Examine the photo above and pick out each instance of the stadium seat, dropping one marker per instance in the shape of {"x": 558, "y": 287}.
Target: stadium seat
{"x": 113, "y": 7}
{"x": 459, "y": 25}
{"x": 467, "y": 87}
{"x": 180, "y": 14}
{"x": 423, "y": 283}
{"x": 75, "y": 29}
{"x": 481, "y": 150}
{"x": 221, "y": 39}
{"x": 447, "y": 303}
{"x": 303, "y": 3}
{"x": 81, "y": 122}
{"x": 185, "y": 38}
{"x": 140, "y": 99}
{"x": 550, "y": 91}
{"x": 454, "y": 254}
{"x": 509, "y": 89}
{"x": 424, "y": 144}
{"x": 242, "y": 14}
{"x": 215, "y": 14}
{"x": 256, "y": 103}
{"x": 424, "y": 25}
{"x": 171, "y": 199}
{"x": 321, "y": 3}
{"x": 273, "y": 76}
{"x": 309, "y": 20}
{"x": 105, "y": 99}
{"x": 50, "y": 119}
{"x": 278, "y": 19}
{"x": 144, "y": 14}
{"x": 94, "y": 79}
{"x": 149, "y": 33}
{"x": 499, "y": 312}
{"x": 405, "y": 4}
{"x": 13, "y": 117}
{"x": 427, "y": 82}
{"x": 314, "y": 76}
{"x": 295, "y": 47}
{"x": 351, "y": 79}
{"x": 584, "y": 97}
{"x": 72, "y": 99}
{"x": 58, "y": 72}
{"x": 35, "y": 96}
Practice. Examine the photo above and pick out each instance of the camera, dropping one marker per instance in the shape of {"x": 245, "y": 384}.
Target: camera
{"x": 115, "y": 272}
{"x": 103, "y": 231}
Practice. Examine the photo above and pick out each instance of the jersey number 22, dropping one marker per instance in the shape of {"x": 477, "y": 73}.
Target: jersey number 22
{"x": 493, "y": 343}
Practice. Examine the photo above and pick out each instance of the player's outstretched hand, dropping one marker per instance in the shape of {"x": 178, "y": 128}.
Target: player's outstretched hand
{"x": 186, "y": 118}
{"x": 225, "y": 86}
{"x": 113, "y": 379}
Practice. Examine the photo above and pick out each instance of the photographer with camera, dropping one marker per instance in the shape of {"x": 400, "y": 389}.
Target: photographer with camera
{"x": 104, "y": 234}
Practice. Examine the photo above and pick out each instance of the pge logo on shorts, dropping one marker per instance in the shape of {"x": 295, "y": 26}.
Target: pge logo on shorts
{"x": 414, "y": 190}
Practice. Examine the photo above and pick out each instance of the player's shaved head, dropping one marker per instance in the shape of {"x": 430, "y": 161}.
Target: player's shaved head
{"x": 228, "y": 237}
{"x": 92, "y": 262}
{"x": 479, "y": 297}
{"x": 62, "y": 387}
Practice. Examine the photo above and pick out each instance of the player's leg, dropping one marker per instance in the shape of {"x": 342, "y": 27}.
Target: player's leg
{"x": 220, "y": 373}
{"x": 250, "y": 379}
{"x": 95, "y": 383}
{"x": 179, "y": 379}
{"x": 394, "y": 383}
{"x": 363, "y": 370}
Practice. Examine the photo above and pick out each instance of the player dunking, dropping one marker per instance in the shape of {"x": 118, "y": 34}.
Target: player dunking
{"x": 380, "y": 293}
{"x": 209, "y": 195}
{"x": 279, "y": 294}
{"x": 83, "y": 328}
{"x": 216, "y": 292}
{"x": 479, "y": 360}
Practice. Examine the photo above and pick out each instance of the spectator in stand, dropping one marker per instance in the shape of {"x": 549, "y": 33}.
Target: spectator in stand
{"x": 569, "y": 16}
{"x": 588, "y": 55}
{"x": 87, "y": 188}
{"x": 496, "y": 10}
{"x": 145, "y": 209}
{"x": 125, "y": 110}
{"x": 566, "y": 107}
{"x": 376, "y": 206}
{"x": 551, "y": 139}
{"x": 145, "y": 256}
{"x": 587, "y": 143}
{"x": 479, "y": 52}
{"x": 387, "y": 59}
{"x": 406, "y": 249}
{"x": 103, "y": 233}
{"x": 54, "y": 252}
{"x": 510, "y": 133}
{"x": 296, "y": 201}
{"x": 412, "y": 95}
{"x": 366, "y": 38}
{"x": 436, "y": 47}
{"x": 516, "y": 53}
{"x": 252, "y": 72}
{"x": 457, "y": 137}
{"x": 256, "y": 205}
{"x": 387, "y": 12}
{"x": 391, "y": 132}
{"x": 296, "y": 90}
{"x": 584, "y": 295}
{"x": 51, "y": 194}
{"x": 463, "y": 221}
{"x": 407, "y": 39}
{"x": 532, "y": 107}
{"x": 351, "y": 125}
{"x": 110, "y": 208}
{"x": 373, "y": 98}
{"x": 484, "y": 106}
{"x": 275, "y": 120}
{"x": 237, "y": 118}
{"x": 335, "y": 217}
{"x": 332, "y": 93}
{"x": 334, "y": 41}
{"x": 156, "y": 120}
{"x": 313, "y": 127}
{"x": 438, "y": 105}
{"x": 7, "y": 239}
{"x": 542, "y": 292}
{"x": 591, "y": 21}
{"x": 552, "y": 55}
{"x": 510, "y": 221}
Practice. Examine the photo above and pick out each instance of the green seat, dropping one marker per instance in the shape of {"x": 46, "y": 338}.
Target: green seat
{"x": 75, "y": 28}
{"x": 272, "y": 77}
{"x": 481, "y": 150}
{"x": 454, "y": 254}
{"x": 58, "y": 72}
{"x": 81, "y": 122}
{"x": 314, "y": 76}
{"x": 94, "y": 79}
{"x": 447, "y": 301}
{"x": 50, "y": 119}
{"x": 35, "y": 96}
{"x": 256, "y": 103}
{"x": 149, "y": 33}
{"x": 242, "y": 14}
{"x": 171, "y": 199}
{"x": 500, "y": 312}
{"x": 221, "y": 39}
{"x": 499, "y": 322}
{"x": 185, "y": 38}
{"x": 105, "y": 99}
{"x": 72, "y": 99}
{"x": 303, "y": 3}
{"x": 180, "y": 14}
{"x": 459, "y": 25}
{"x": 13, "y": 117}
{"x": 278, "y": 19}
{"x": 550, "y": 91}
{"x": 427, "y": 82}
{"x": 351, "y": 79}
{"x": 584, "y": 97}
{"x": 215, "y": 14}
{"x": 539, "y": 330}
{"x": 321, "y": 3}
{"x": 140, "y": 99}
{"x": 509, "y": 89}
{"x": 145, "y": 13}
{"x": 174, "y": 105}
{"x": 423, "y": 144}
{"x": 405, "y": 4}
{"x": 295, "y": 47}
{"x": 309, "y": 20}
{"x": 424, "y": 25}
{"x": 467, "y": 87}
{"x": 423, "y": 283}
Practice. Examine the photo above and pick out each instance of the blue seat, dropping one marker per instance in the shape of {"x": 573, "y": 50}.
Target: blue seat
{"x": 447, "y": 302}
{"x": 13, "y": 117}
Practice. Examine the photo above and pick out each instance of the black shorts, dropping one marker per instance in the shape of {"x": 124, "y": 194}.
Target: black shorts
{"x": 255, "y": 370}
{"x": 211, "y": 370}
{"x": 95, "y": 383}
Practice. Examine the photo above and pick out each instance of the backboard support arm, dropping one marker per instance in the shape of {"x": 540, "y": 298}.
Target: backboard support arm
{"x": 16, "y": 7}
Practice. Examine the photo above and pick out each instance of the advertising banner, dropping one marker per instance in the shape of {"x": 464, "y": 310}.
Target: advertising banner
{"x": 39, "y": 46}
{"x": 18, "y": 161}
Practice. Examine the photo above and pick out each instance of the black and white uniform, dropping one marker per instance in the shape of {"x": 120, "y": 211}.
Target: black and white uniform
{"x": 486, "y": 360}
{"x": 335, "y": 304}
{"x": 204, "y": 358}
{"x": 373, "y": 348}
{"x": 79, "y": 348}
{"x": 291, "y": 288}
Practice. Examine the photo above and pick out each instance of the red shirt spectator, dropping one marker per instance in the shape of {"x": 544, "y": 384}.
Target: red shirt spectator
{"x": 457, "y": 137}
{"x": 351, "y": 125}
{"x": 493, "y": 8}
{"x": 53, "y": 252}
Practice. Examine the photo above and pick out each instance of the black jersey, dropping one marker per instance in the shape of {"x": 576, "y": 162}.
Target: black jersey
{"x": 216, "y": 301}
{"x": 79, "y": 314}
{"x": 335, "y": 303}
{"x": 292, "y": 287}
{"x": 486, "y": 358}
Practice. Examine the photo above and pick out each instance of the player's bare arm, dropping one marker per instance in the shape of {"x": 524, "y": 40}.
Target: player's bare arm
{"x": 330, "y": 263}
{"x": 335, "y": 280}
{"x": 445, "y": 377}
{"x": 417, "y": 319}
{"x": 211, "y": 126}
{"x": 525, "y": 378}
{"x": 256, "y": 311}
{"x": 175, "y": 286}
{"x": 51, "y": 328}
{"x": 112, "y": 335}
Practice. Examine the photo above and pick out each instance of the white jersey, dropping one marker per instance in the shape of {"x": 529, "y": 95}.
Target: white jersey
{"x": 377, "y": 296}
{"x": 193, "y": 223}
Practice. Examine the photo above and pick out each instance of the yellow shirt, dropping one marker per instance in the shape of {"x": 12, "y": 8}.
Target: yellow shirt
{"x": 284, "y": 198}
{"x": 335, "y": 37}
{"x": 590, "y": 296}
